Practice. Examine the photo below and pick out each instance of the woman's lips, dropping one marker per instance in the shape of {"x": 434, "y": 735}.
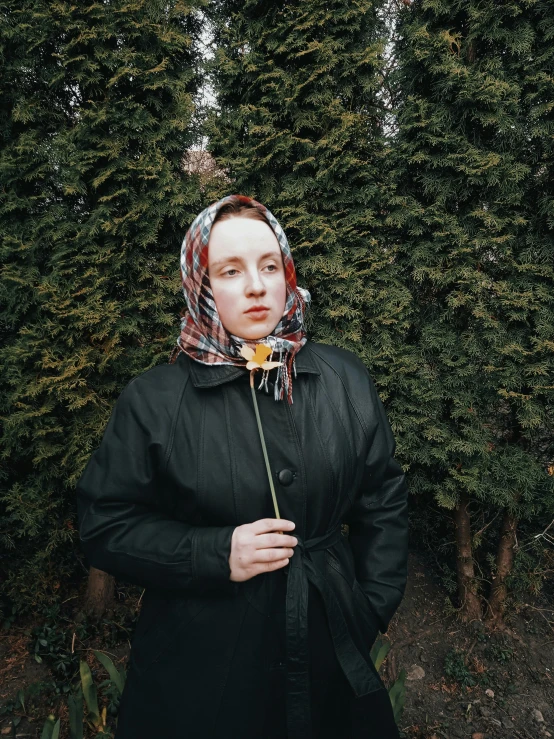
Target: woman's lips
{"x": 258, "y": 314}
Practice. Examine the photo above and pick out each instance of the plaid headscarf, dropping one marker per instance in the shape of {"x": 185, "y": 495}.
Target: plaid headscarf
{"x": 204, "y": 338}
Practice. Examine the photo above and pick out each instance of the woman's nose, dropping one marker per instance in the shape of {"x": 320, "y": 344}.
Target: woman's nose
{"x": 255, "y": 284}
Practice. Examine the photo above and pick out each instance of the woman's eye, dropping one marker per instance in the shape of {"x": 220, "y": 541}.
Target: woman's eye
{"x": 273, "y": 266}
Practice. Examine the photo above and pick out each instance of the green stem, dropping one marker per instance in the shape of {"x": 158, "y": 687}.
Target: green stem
{"x": 260, "y": 430}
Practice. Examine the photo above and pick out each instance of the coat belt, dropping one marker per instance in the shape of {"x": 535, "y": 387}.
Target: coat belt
{"x": 363, "y": 677}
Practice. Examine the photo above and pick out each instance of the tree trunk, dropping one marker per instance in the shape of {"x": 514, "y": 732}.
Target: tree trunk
{"x": 100, "y": 592}
{"x": 470, "y": 604}
{"x": 504, "y": 563}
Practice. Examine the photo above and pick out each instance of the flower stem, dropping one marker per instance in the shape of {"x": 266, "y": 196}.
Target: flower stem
{"x": 262, "y": 439}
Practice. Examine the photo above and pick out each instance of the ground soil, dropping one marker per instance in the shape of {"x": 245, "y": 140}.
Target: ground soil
{"x": 512, "y": 671}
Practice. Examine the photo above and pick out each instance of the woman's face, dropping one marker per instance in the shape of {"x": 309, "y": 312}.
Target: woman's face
{"x": 246, "y": 269}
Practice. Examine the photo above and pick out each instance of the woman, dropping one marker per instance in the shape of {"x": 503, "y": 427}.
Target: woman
{"x": 252, "y": 625}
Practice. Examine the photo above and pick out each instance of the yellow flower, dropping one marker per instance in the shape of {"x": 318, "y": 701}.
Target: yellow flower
{"x": 256, "y": 359}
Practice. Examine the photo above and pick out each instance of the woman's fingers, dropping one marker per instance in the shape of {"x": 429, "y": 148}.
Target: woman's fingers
{"x": 264, "y": 541}
{"x": 263, "y": 525}
{"x": 268, "y": 566}
{"x": 269, "y": 555}
{"x": 261, "y": 546}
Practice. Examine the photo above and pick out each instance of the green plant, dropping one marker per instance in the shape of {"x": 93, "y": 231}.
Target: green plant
{"x": 397, "y": 692}
{"x": 116, "y": 626}
{"x": 51, "y": 728}
{"x": 379, "y": 651}
{"x": 470, "y": 155}
{"x": 499, "y": 652}
{"x": 93, "y": 197}
{"x": 95, "y": 718}
{"x": 113, "y": 687}
{"x": 456, "y": 668}
{"x": 51, "y": 645}
{"x": 17, "y": 703}
{"x": 75, "y": 706}
{"x": 397, "y": 695}
{"x": 86, "y": 695}
{"x": 25, "y": 699}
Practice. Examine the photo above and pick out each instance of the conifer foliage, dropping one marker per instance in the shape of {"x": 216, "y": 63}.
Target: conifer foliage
{"x": 474, "y": 218}
{"x": 299, "y": 126}
{"x": 427, "y": 244}
{"x": 98, "y": 108}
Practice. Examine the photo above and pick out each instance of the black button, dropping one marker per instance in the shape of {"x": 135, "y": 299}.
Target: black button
{"x": 286, "y": 477}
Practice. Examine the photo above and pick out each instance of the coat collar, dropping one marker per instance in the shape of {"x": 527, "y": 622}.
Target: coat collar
{"x": 209, "y": 375}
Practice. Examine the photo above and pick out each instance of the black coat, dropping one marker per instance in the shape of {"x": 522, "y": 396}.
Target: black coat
{"x": 179, "y": 467}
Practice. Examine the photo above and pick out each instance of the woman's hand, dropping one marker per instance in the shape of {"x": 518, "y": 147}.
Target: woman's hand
{"x": 254, "y": 549}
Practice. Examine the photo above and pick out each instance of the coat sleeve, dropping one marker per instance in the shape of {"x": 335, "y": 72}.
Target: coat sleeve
{"x": 124, "y": 511}
{"x": 378, "y": 522}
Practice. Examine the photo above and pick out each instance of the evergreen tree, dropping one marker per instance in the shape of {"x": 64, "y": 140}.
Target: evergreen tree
{"x": 298, "y": 125}
{"x": 477, "y": 251}
{"x": 98, "y": 109}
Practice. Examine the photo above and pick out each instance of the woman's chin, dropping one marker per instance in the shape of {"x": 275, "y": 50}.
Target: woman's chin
{"x": 253, "y": 333}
